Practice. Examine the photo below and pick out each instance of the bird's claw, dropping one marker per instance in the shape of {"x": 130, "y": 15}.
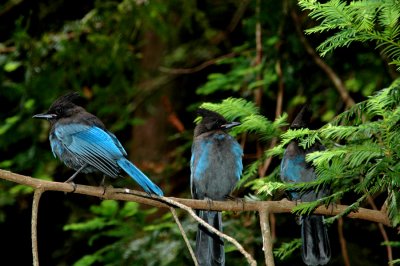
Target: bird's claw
{"x": 72, "y": 184}
{"x": 209, "y": 203}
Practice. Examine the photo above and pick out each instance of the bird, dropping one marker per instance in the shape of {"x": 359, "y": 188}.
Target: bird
{"x": 294, "y": 169}
{"x": 81, "y": 141}
{"x": 216, "y": 166}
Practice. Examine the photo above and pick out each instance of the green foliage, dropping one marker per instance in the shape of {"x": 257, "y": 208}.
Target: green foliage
{"x": 368, "y": 154}
{"x": 357, "y": 21}
{"x": 361, "y": 156}
{"x": 122, "y": 56}
{"x": 287, "y": 249}
{"x": 119, "y": 232}
{"x": 244, "y": 75}
{"x": 248, "y": 114}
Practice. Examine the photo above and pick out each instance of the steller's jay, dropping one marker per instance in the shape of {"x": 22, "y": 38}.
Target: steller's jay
{"x": 295, "y": 169}
{"x": 81, "y": 141}
{"x": 216, "y": 166}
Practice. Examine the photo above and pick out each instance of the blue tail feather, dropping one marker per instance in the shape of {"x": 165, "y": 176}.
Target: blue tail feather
{"x": 139, "y": 177}
{"x": 210, "y": 247}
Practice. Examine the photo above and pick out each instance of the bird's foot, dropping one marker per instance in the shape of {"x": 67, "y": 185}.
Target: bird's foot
{"x": 298, "y": 220}
{"x": 103, "y": 185}
{"x": 231, "y": 197}
{"x": 105, "y": 188}
{"x": 72, "y": 184}
{"x": 236, "y": 199}
{"x": 209, "y": 202}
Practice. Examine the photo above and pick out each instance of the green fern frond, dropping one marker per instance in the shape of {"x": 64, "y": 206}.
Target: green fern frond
{"x": 360, "y": 21}
{"x": 393, "y": 204}
{"x": 250, "y": 171}
{"x": 351, "y": 208}
{"x": 232, "y": 108}
{"x": 353, "y": 156}
{"x": 281, "y": 121}
{"x": 340, "y": 39}
{"x": 269, "y": 188}
{"x": 299, "y": 134}
{"x": 306, "y": 208}
{"x": 389, "y": 13}
{"x": 287, "y": 249}
{"x": 275, "y": 151}
{"x": 258, "y": 124}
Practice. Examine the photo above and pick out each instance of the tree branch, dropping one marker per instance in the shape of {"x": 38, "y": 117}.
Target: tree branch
{"x": 180, "y": 71}
{"x": 35, "y": 209}
{"x": 282, "y": 206}
{"x": 267, "y": 238}
{"x": 184, "y": 236}
{"x": 383, "y": 232}
{"x": 247, "y": 255}
{"x": 336, "y": 80}
{"x": 343, "y": 243}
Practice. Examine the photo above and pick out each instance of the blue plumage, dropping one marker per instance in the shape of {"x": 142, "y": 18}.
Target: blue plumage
{"x": 80, "y": 140}
{"x": 295, "y": 169}
{"x": 216, "y": 166}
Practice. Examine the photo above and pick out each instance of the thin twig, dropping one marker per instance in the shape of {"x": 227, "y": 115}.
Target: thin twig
{"x": 247, "y": 255}
{"x": 343, "y": 245}
{"x": 238, "y": 15}
{"x": 35, "y": 208}
{"x": 336, "y": 80}
{"x": 282, "y": 206}
{"x": 266, "y": 237}
{"x": 259, "y": 53}
{"x": 179, "y": 71}
{"x": 184, "y": 236}
{"x": 383, "y": 232}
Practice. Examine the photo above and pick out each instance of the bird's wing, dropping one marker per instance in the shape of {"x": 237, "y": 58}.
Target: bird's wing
{"x": 238, "y": 153}
{"x": 92, "y": 145}
{"x": 117, "y": 143}
{"x": 293, "y": 164}
{"x": 295, "y": 169}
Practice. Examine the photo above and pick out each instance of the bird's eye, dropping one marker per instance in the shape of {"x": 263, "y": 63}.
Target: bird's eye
{"x": 59, "y": 110}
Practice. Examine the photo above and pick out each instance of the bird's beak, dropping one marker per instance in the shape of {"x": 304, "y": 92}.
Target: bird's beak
{"x": 45, "y": 116}
{"x": 230, "y": 125}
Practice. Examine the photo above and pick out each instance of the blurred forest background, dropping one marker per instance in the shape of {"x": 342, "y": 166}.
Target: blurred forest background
{"x": 143, "y": 67}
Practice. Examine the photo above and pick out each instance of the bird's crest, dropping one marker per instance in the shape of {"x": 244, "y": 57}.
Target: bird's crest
{"x": 208, "y": 113}
{"x": 68, "y": 98}
{"x": 302, "y": 118}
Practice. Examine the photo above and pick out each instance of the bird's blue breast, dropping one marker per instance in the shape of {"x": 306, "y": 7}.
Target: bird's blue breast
{"x": 216, "y": 165}
{"x": 295, "y": 169}
{"x": 292, "y": 168}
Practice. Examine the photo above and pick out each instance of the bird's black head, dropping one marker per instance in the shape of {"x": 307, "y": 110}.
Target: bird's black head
{"x": 61, "y": 108}
{"x": 212, "y": 121}
{"x": 302, "y": 119}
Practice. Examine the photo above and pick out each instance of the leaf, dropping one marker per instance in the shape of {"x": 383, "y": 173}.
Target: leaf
{"x": 12, "y": 66}
{"x": 286, "y": 249}
{"x": 86, "y": 260}
{"x": 270, "y": 187}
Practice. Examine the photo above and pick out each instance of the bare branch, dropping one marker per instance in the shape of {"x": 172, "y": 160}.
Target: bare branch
{"x": 180, "y": 71}
{"x": 383, "y": 232}
{"x": 247, "y": 255}
{"x": 267, "y": 238}
{"x": 184, "y": 236}
{"x": 336, "y": 80}
{"x": 282, "y": 206}
{"x": 343, "y": 243}
{"x": 35, "y": 208}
